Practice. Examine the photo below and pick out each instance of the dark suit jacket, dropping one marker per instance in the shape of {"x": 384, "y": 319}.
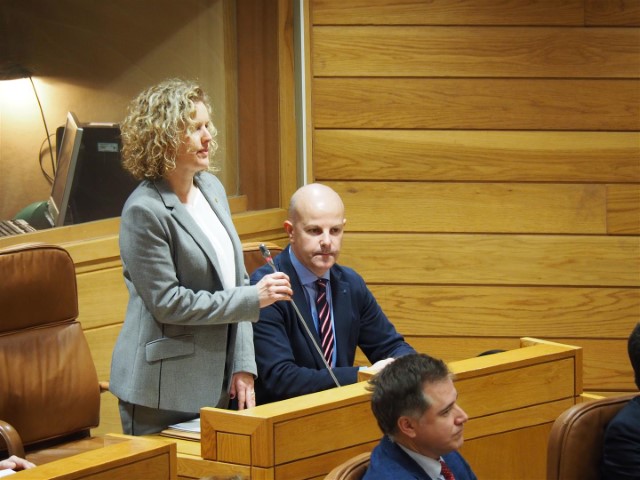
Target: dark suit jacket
{"x": 389, "y": 461}
{"x": 289, "y": 365}
{"x": 621, "y": 453}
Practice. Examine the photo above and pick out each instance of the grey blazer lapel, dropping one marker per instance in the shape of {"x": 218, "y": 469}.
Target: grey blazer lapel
{"x": 184, "y": 218}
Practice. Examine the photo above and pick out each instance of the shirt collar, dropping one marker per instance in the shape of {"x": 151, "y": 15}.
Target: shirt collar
{"x": 429, "y": 465}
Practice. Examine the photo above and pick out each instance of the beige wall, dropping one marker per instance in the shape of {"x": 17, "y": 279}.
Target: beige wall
{"x": 489, "y": 157}
{"x": 92, "y": 58}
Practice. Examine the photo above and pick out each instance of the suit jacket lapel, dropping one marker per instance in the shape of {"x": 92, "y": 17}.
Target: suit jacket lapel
{"x": 301, "y": 301}
{"x": 341, "y": 303}
{"x": 398, "y": 455}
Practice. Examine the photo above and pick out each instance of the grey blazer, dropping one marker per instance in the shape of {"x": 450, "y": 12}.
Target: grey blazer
{"x": 183, "y": 335}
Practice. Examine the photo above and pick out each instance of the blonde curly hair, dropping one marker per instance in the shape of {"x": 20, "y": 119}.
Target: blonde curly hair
{"x": 157, "y": 121}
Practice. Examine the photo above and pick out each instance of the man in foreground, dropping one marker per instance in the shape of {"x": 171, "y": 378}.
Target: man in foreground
{"x": 414, "y": 402}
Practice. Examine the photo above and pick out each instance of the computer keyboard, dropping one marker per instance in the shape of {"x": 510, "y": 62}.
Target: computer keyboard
{"x": 14, "y": 227}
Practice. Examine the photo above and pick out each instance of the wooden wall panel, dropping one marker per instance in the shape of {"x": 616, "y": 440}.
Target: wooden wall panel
{"x": 446, "y": 155}
{"x": 486, "y": 259}
{"x": 448, "y": 12}
{"x": 421, "y": 51}
{"x": 622, "y": 13}
{"x": 102, "y": 298}
{"x": 493, "y": 311}
{"x": 474, "y": 207}
{"x": 463, "y": 103}
{"x": 606, "y": 364}
{"x": 623, "y": 209}
{"x": 489, "y": 157}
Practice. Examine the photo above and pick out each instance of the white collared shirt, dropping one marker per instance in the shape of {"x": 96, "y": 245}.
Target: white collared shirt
{"x": 429, "y": 465}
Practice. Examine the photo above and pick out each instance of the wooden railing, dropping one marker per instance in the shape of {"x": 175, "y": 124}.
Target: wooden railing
{"x": 121, "y": 458}
{"x": 512, "y": 399}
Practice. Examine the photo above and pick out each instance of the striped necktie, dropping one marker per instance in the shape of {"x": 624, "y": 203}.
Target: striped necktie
{"x": 324, "y": 319}
{"x": 445, "y": 472}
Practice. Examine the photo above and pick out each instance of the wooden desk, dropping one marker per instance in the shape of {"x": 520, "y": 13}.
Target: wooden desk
{"x": 121, "y": 458}
{"x": 512, "y": 398}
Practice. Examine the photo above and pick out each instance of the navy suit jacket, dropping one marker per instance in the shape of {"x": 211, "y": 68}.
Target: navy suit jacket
{"x": 621, "y": 453}
{"x": 388, "y": 460}
{"x": 288, "y": 363}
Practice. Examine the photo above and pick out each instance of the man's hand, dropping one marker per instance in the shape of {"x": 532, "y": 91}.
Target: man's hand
{"x": 380, "y": 364}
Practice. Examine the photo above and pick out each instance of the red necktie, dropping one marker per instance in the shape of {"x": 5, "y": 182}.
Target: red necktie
{"x": 324, "y": 320}
{"x": 446, "y": 473}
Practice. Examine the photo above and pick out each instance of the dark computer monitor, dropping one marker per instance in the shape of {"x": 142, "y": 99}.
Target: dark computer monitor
{"x": 97, "y": 184}
{"x": 68, "y": 151}
{"x": 101, "y": 185}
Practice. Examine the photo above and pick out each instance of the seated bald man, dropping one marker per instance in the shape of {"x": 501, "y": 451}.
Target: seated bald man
{"x": 340, "y": 313}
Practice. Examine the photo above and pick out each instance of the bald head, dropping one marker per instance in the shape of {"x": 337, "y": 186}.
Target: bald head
{"x": 315, "y": 225}
{"x": 314, "y": 196}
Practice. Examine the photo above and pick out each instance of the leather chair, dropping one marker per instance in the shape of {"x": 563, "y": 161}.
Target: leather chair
{"x": 50, "y": 394}
{"x": 352, "y": 469}
{"x": 575, "y": 443}
{"x": 253, "y": 258}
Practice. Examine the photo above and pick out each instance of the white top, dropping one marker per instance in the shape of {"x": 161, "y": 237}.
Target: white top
{"x": 210, "y": 224}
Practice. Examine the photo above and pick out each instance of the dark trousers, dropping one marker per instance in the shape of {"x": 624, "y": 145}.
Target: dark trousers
{"x": 139, "y": 420}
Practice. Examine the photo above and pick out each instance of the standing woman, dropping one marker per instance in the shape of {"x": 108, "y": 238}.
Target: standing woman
{"x": 187, "y": 340}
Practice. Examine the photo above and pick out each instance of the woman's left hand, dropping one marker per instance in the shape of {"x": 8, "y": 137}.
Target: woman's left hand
{"x": 242, "y": 387}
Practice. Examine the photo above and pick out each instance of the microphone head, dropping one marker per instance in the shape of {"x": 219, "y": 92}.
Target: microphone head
{"x": 266, "y": 254}
{"x": 265, "y": 251}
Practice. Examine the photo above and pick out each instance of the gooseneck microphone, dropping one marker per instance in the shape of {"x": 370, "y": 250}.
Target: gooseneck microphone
{"x": 266, "y": 254}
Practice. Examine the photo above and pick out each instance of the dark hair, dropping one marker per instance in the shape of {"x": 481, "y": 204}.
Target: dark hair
{"x": 633, "y": 348}
{"x": 397, "y": 390}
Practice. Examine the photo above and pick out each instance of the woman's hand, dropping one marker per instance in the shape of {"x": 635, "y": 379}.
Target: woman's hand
{"x": 274, "y": 287}
{"x": 242, "y": 387}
